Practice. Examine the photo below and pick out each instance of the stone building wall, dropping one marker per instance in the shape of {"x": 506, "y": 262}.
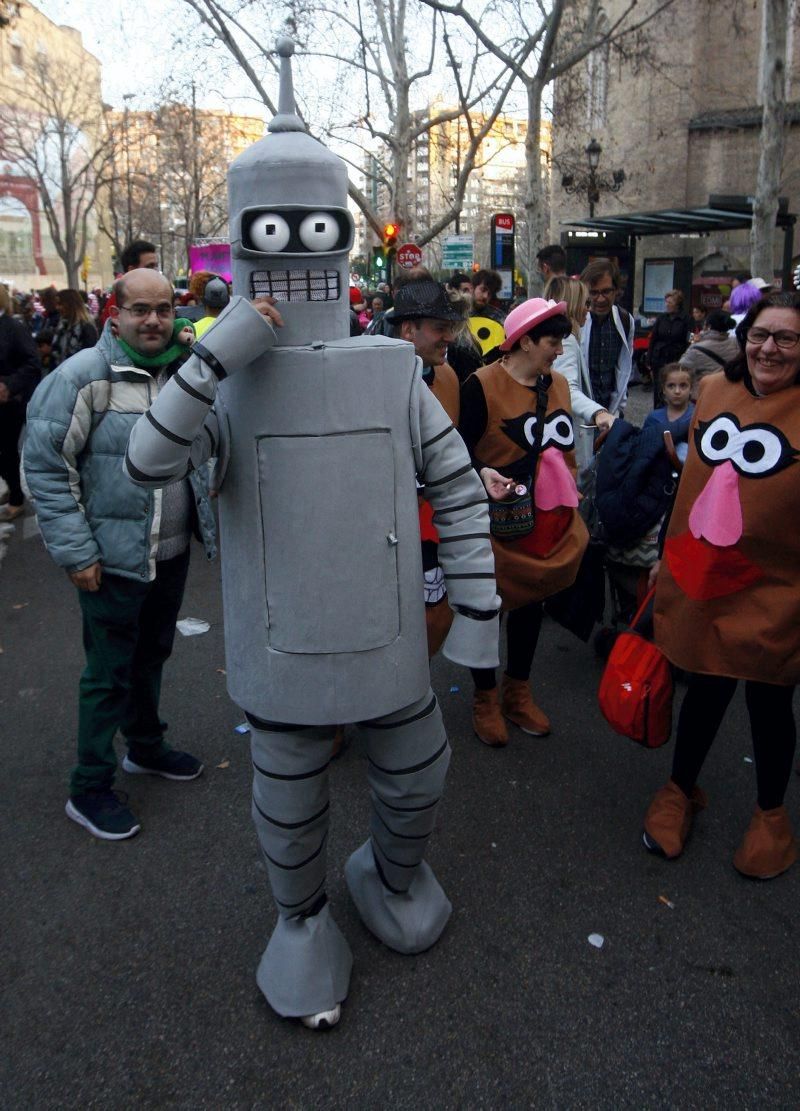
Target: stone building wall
{"x": 680, "y": 129}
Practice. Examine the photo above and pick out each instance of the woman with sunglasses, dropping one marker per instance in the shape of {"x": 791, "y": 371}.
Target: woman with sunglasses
{"x": 728, "y": 591}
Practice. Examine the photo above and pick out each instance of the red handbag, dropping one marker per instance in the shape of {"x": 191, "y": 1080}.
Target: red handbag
{"x": 635, "y": 693}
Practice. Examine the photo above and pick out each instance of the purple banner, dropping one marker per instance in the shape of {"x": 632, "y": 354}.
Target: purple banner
{"x": 215, "y": 257}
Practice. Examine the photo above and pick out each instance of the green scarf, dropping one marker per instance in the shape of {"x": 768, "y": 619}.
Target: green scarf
{"x": 153, "y": 362}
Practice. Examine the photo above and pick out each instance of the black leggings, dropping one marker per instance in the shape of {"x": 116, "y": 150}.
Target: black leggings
{"x": 771, "y": 723}
{"x": 522, "y": 636}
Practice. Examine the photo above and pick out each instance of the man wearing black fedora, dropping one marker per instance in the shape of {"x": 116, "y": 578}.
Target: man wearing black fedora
{"x": 429, "y": 317}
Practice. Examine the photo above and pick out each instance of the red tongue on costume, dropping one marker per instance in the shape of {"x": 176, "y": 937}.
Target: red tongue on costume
{"x": 703, "y": 562}
{"x": 703, "y": 572}
{"x": 555, "y": 486}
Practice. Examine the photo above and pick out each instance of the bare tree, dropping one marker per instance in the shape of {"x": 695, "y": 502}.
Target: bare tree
{"x": 776, "y": 17}
{"x": 375, "y": 42}
{"x": 167, "y": 179}
{"x": 56, "y": 136}
{"x": 555, "y": 45}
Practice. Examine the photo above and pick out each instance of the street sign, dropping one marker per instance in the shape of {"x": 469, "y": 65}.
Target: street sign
{"x": 502, "y": 242}
{"x": 458, "y": 252}
{"x": 409, "y": 256}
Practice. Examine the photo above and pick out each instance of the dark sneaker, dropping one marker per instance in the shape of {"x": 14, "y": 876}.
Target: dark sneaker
{"x": 104, "y": 813}
{"x": 169, "y": 765}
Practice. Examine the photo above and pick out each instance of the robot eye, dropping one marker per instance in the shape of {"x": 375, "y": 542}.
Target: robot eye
{"x": 558, "y": 430}
{"x": 319, "y": 231}
{"x": 269, "y": 232}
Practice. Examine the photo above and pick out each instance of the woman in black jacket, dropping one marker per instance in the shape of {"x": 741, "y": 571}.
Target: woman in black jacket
{"x": 668, "y": 339}
{"x": 75, "y": 328}
{"x": 20, "y": 372}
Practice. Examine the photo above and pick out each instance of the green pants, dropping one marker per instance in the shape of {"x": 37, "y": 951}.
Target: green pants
{"x": 128, "y": 630}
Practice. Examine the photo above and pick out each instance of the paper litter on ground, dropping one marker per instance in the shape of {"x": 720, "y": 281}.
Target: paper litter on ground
{"x": 597, "y": 940}
{"x": 192, "y": 626}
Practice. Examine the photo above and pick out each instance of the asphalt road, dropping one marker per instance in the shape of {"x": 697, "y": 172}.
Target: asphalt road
{"x": 128, "y": 968}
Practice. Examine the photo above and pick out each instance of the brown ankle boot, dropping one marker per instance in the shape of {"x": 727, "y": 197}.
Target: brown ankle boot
{"x": 519, "y": 707}
{"x": 487, "y": 721}
{"x": 768, "y": 848}
{"x": 669, "y": 819}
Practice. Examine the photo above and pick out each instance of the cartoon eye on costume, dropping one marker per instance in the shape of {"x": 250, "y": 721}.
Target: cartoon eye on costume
{"x": 558, "y": 431}
{"x": 269, "y": 231}
{"x": 528, "y": 428}
{"x": 319, "y": 231}
{"x": 757, "y": 450}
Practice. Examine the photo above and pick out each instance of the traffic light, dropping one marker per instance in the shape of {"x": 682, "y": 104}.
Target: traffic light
{"x": 390, "y": 233}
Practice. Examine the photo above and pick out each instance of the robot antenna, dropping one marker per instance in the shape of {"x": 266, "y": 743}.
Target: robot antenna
{"x": 287, "y": 118}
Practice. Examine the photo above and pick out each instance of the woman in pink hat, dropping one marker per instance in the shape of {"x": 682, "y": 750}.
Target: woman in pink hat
{"x": 516, "y": 421}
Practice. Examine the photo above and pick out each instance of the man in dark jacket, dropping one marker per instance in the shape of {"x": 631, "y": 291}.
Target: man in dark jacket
{"x": 20, "y": 372}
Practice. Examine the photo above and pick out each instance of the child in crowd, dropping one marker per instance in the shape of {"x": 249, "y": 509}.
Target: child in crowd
{"x": 44, "y": 345}
{"x": 676, "y": 384}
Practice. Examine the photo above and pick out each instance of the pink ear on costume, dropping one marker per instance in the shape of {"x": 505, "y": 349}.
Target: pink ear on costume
{"x": 717, "y": 513}
{"x": 555, "y": 485}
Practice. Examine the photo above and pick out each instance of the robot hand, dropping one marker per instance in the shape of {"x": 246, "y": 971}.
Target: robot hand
{"x": 243, "y": 332}
{"x": 473, "y": 640}
{"x": 266, "y": 306}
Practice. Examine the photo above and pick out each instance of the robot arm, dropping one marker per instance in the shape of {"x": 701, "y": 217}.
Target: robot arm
{"x": 180, "y": 430}
{"x": 465, "y": 550}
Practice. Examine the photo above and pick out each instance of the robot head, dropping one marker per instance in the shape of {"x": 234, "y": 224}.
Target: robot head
{"x": 290, "y": 227}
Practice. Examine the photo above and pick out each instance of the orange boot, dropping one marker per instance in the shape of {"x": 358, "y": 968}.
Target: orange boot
{"x": 487, "y": 721}
{"x": 768, "y": 848}
{"x": 669, "y": 819}
{"x": 519, "y": 707}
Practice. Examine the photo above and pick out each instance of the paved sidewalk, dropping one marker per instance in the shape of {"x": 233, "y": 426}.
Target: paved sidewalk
{"x": 128, "y": 969}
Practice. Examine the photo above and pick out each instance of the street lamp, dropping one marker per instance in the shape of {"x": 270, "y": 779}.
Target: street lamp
{"x": 126, "y": 97}
{"x": 590, "y": 182}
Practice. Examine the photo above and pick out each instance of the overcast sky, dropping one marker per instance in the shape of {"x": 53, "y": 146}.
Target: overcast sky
{"x": 134, "y": 42}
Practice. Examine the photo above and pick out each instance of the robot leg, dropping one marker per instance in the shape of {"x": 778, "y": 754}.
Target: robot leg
{"x": 396, "y": 893}
{"x": 306, "y": 966}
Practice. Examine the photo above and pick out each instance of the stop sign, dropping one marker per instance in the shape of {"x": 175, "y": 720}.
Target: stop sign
{"x": 409, "y": 256}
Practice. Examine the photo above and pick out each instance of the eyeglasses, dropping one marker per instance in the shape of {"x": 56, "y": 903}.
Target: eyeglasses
{"x": 141, "y": 312}
{"x": 608, "y": 292}
{"x": 784, "y": 338}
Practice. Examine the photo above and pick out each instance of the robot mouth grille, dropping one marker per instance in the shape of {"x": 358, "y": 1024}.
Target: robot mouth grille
{"x": 296, "y": 285}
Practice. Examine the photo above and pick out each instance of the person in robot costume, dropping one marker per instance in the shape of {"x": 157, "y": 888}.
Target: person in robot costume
{"x": 320, "y": 440}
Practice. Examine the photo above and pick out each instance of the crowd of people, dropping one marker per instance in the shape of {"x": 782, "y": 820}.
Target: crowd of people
{"x": 531, "y": 387}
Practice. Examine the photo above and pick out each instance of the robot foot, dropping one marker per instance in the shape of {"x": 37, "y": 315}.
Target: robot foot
{"x": 305, "y": 970}
{"x": 409, "y": 921}
{"x": 324, "y": 1020}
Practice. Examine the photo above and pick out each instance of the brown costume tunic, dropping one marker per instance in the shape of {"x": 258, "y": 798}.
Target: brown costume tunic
{"x": 446, "y": 390}
{"x": 547, "y": 560}
{"x": 728, "y": 592}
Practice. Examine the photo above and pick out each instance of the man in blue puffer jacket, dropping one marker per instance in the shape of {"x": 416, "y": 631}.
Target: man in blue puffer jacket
{"x": 125, "y": 548}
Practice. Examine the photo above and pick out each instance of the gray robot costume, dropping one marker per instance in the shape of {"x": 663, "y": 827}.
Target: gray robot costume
{"x": 320, "y": 440}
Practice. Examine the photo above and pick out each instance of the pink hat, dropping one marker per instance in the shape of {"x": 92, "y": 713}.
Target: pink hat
{"x": 527, "y": 315}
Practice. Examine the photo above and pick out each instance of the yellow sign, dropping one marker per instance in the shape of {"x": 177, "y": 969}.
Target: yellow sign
{"x": 85, "y": 268}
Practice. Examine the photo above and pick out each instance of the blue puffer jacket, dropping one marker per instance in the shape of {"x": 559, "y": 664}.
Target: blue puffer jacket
{"x": 79, "y": 421}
